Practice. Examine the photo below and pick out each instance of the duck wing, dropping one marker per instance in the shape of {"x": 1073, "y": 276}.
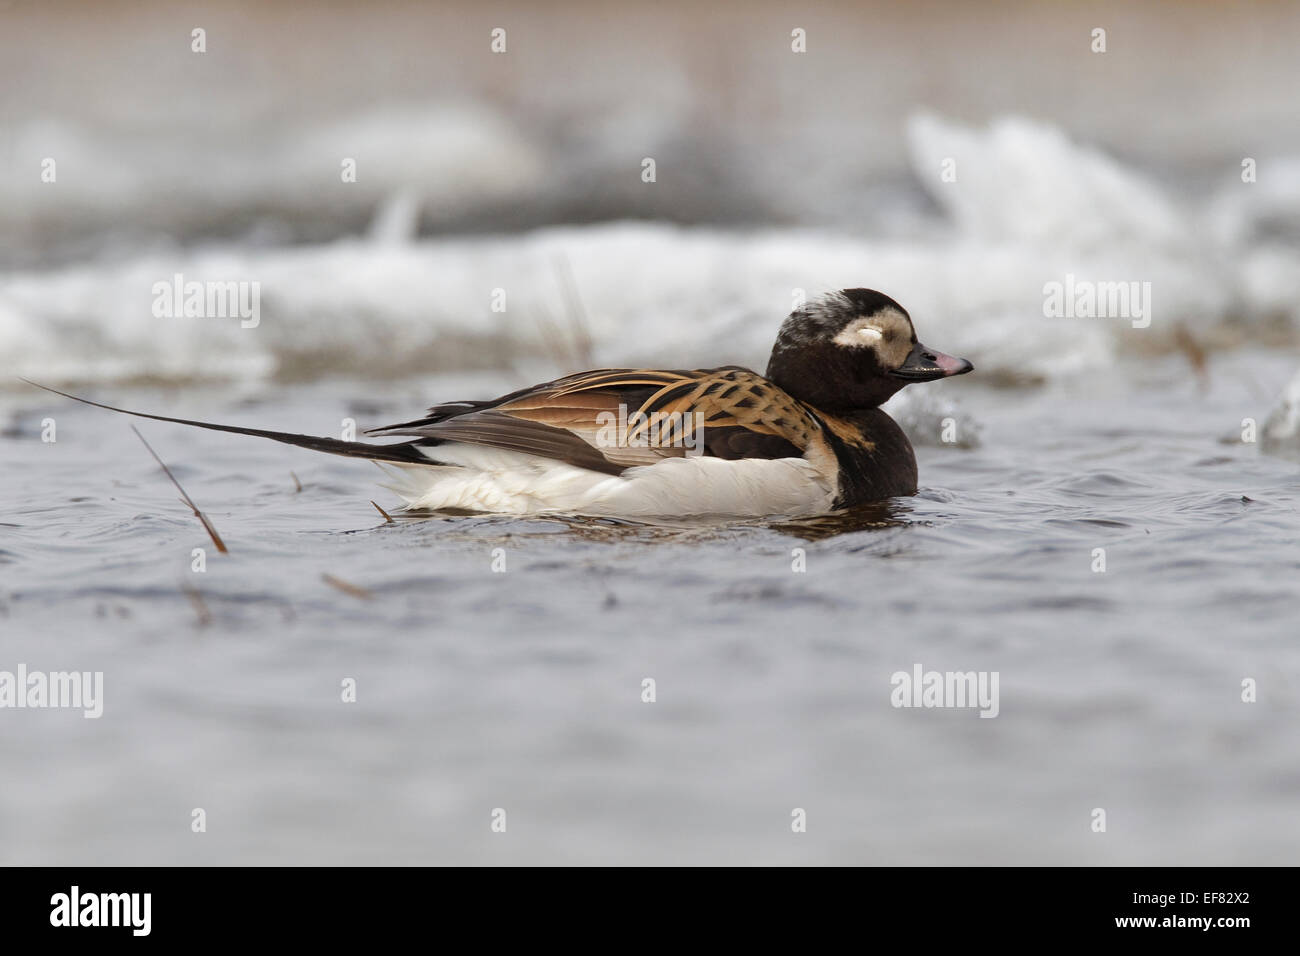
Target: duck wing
{"x": 612, "y": 419}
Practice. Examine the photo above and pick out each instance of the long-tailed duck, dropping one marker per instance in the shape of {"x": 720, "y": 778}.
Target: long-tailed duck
{"x": 805, "y": 438}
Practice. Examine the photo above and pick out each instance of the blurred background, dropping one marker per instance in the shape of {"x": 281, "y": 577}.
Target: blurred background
{"x": 774, "y": 171}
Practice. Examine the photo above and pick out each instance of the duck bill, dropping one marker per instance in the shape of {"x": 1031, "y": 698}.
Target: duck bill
{"x": 925, "y": 364}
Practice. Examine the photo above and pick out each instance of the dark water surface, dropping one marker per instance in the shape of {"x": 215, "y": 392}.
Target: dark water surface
{"x": 479, "y": 689}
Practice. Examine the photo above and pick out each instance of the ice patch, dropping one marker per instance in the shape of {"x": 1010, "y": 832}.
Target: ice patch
{"x": 932, "y": 417}
{"x": 1027, "y": 208}
{"x": 1280, "y": 435}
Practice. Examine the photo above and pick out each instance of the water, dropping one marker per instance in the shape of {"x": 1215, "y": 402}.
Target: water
{"x": 522, "y": 690}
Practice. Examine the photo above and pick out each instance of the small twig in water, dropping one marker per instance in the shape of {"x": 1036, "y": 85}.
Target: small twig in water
{"x": 1194, "y": 353}
{"x": 297, "y": 485}
{"x": 552, "y": 341}
{"x": 346, "y": 588}
{"x": 207, "y": 525}
{"x": 577, "y": 312}
{"x": 387, "y": 516}
{"x": 200, "y": 605}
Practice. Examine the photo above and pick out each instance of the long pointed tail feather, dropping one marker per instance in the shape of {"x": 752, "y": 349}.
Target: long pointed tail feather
{"x": 401, "y": 452}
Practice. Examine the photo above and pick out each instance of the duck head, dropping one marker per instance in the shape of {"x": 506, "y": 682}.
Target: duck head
{"x": 853, "y": 349}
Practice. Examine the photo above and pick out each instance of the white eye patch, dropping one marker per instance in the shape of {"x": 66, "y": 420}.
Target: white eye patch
{"x": 884, "y": 335}
{"x": 858, "y": 336}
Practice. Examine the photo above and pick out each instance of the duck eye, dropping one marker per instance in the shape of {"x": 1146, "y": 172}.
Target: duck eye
{"x": 870, "y": 334}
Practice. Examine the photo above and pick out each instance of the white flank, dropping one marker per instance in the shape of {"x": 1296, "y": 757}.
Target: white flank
{"x": 479, "y": 478}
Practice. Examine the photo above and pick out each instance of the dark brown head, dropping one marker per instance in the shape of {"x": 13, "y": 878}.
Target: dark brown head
{"x": 853, "y": 349}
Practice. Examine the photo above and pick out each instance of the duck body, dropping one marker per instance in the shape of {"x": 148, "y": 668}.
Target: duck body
{"x": 807, "y": 437}
{"x": 765, "y": 454}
